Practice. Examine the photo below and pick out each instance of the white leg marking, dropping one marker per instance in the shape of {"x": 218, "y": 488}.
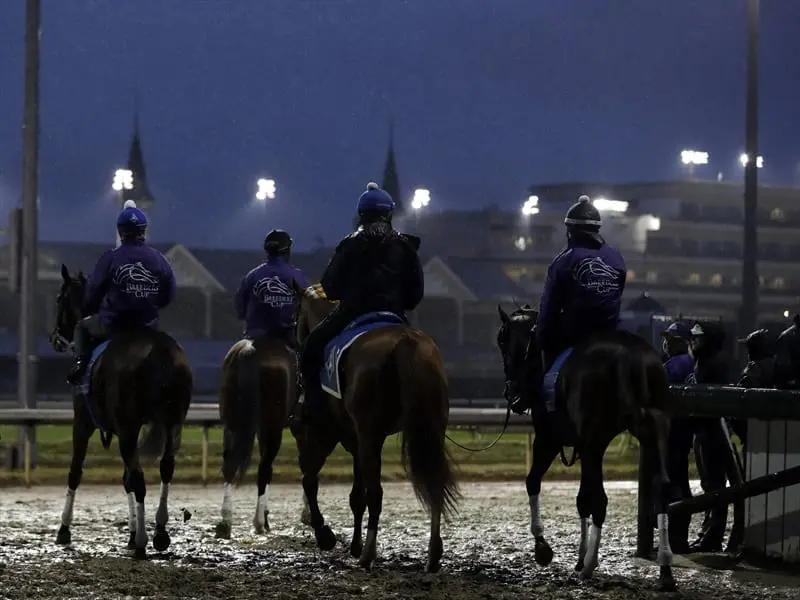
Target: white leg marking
{"x": 131, "y": 511}
{"x": 536, "y": 520}
{"x": 162, "y": 512}
{"x": 262, "y": 510}
{"x": 664, "y": 549}
{"x": 227, "y": 503}
{"x": 585, "y": 524}
{"x": 591, "y": 561}
{"x": 69, "y": 505}
{"x": 141, "y": 532}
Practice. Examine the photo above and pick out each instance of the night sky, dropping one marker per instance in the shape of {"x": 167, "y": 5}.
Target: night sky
{"x": 488, "y": 96}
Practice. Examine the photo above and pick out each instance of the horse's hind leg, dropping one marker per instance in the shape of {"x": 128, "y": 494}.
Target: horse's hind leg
{"x": 656, "y": 446}
{"x": 82, "y": 430}
{"x": 358, "y": 504}
{"x": 130, "y": 456}
{"x": 594, "y": 499}
{"x": 314, "y": 451}
{"x": 131, "y": 510}
{"x": 370, "y": 458}
{"x": 545, "y": 449}
{"x": 161, "y": 539}
{"x": 269, "y": 442}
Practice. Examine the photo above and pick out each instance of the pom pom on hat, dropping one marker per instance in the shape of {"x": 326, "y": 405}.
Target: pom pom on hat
{"x": 584, "y": 198}
{"x": 129, "y": 204}
{"x": 373, "y": 186}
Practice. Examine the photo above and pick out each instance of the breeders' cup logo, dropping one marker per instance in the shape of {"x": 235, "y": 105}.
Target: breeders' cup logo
{"x": 136, "y": 280}
{"x": 272, "y": 291}
{"x": 595, "y": 274}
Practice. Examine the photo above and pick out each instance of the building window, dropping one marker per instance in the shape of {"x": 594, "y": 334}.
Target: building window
{"x": 778, "y": 283}
{"x": 693, "y": 279}
{"x": 631, "y": 276}
{"x": 715, "y": 280}
{"x": 777, "y": 215}
{"x": 522, "y": 243}
{"x": 651, "y": 277}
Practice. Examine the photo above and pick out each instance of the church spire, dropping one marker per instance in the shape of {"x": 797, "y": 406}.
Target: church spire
{"x": 391, "y": 182}
{"x": 140, "y": 192}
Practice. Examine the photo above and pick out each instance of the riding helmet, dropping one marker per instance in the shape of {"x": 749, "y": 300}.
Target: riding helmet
{"x": 583, "y": 216}
{"x": 277, "y": 242}
{"x": 131, "y": 221}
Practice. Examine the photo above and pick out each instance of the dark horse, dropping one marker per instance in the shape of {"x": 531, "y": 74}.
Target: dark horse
{"x": 259, "y": 385}
{"x": 394, "y": 382}
{"x": 142, "y": 377}
{"x": 611, "y": 383}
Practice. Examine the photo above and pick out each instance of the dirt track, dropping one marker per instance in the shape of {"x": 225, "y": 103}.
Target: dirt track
{"x": 488, "y": 550}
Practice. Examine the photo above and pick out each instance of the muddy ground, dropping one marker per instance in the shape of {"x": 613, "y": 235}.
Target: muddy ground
{"x": 488, "y": 550}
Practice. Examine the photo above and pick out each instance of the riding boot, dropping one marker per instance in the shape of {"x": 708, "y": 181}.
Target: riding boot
{"x": 83, "y": 354}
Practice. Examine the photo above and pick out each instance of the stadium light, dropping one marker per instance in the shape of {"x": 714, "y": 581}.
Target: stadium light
{"x": 694, "y": 157}
{"x": 786, "y": 314}
{"x": 531, "y": 206}
{"x": 421, "y": 199}
{"x": 744, "y": 159}
{"x": 610, "y": 206}
{"x": 123, "y": 180}
{"x": 266, "y": 189}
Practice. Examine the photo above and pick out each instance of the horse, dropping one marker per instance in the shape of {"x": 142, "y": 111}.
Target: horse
{"x": 259, "y": 386}
{"x": 139, "y": 377}
{"x": 611, "y": 383}
{"x": 392, "y": 380}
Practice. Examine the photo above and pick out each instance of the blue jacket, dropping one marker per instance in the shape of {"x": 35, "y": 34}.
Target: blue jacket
{"x": 582, "y": 294}
{"x": 680, "y": 369}
{"x": 128, "y": 286}
{"x": 265, "y": 300}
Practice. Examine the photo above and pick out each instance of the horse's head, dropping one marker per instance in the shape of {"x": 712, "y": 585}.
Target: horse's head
{"x": 312, "y": 306}
{"x": 69, "y": 309}
{"x": 787, "y": 357}
{"x": 513, "y": 338}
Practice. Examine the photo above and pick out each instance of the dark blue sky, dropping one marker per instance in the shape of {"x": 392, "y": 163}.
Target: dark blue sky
{"x": 488, "y": 96}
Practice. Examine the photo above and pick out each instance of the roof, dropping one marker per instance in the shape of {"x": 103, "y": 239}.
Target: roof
{"x": 486, "y": 279}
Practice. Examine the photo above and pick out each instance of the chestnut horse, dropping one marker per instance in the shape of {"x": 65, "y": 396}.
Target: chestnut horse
{"x": 394, "y": 381}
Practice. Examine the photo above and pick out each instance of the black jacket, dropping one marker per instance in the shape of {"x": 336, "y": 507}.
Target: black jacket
{"x": 710, "y": 364}
{"x": 375, "y": 269}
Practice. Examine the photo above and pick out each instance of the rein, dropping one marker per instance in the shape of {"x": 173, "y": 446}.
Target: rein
{"x": 497, "y": 439}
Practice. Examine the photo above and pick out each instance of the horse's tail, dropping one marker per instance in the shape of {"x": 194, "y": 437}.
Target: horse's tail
{"x": 243, "y": 415}
{"x": 425, "y": 410}
{"x": 159, "y": 365}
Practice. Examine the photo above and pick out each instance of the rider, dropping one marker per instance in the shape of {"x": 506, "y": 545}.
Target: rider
{"x": 127, "y": 288}
{"x": 373, "y": 269}
{"x": 680, "y": 371}
{"x": 266, "y": 297}
{"x": 583, "y": 292}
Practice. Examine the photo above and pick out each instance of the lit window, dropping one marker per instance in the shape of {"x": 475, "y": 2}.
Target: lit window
{"x": 521, "y": 243}
{"x": 778, "y": 283}
{"x": 693, "y": 279}
{"x": 651, "y": 276}
{"x": 776, "y": 214}
{"x": 631, "y": 275}
{"x": 716, "y": 280}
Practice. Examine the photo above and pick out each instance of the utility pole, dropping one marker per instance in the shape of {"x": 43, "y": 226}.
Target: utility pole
{"x": 750, "y": 281}
{"x": 27, "y": 356}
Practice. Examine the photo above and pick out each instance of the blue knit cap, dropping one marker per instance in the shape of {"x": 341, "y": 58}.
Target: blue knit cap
{"x": 131, "y": 219}
{"x": 375, "y": 200}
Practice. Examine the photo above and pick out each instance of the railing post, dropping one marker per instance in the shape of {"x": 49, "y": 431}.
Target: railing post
{"x": 204, "y": 455}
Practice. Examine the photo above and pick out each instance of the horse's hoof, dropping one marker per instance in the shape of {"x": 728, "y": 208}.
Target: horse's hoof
{"x": 140, "y": 553}
{"x": 266, "y": 523}
{"x": 356, "y": 546}
{"x": 63, "y": 537}
{"x": 223, "y": 531}
{"x": 433, "y": 567}
{"x": 161, "y": 540}
{"x": 542, "y": 553}
{"x": 666, "y": 582}
{"x": 366, "y": 562}
{"x": 579, "y": 565}
{"x": 326, "y": 540}
{"x": 132, "y": 540}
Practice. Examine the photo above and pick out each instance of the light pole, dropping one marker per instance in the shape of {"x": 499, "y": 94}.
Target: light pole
{"x": 27, "y": 357}
{"x": 750, "y": 283}
{"x": 123, "y": 181}
{"x": 420, "y": 200}
{"x": 691, "y": 158}
{"x": 530, "y": 207}
{"x": 265, "y": 190}
{"x": 744, "y": 159}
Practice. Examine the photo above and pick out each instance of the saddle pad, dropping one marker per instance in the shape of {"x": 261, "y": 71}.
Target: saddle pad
{"x": 550, "y": 380}
{"x": 329, "y": 376}
{"x": 86, "y": 383}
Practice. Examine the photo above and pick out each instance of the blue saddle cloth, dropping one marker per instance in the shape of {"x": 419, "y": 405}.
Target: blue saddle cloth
{"x": 329, "y": 376}
{"x": 86, "y": 383}
{"x": 550, "y": 379}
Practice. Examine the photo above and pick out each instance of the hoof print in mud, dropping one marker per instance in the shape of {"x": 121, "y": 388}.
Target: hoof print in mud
{"x": 223, "y": 531}
{"x": 326, "y": 540}
{"x": 63, "y": 537}
{"x": 161, "y": 540}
